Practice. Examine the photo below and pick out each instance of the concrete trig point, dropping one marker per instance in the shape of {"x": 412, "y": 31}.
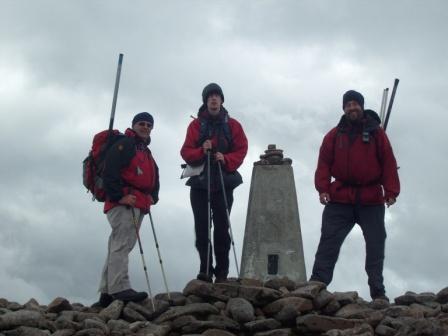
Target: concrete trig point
{"x": 272, "y": 239}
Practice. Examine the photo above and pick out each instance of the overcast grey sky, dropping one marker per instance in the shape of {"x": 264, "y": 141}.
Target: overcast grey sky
{"x": 283, "y": 66}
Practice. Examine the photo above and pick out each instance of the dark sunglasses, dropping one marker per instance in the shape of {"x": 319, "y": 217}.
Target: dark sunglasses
{"x": 142, "y": 124}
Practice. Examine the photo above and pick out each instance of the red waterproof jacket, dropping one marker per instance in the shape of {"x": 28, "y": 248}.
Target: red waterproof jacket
{"x": 233, "y": 146}
{"x": 361, "y": 162}
{"x": 130, "y": 169}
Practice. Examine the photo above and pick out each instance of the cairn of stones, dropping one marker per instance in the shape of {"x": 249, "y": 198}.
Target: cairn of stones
{"x": 277, "y": 307}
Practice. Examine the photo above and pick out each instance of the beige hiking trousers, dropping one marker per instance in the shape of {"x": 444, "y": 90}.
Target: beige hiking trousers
{"x": 115, "y": 277}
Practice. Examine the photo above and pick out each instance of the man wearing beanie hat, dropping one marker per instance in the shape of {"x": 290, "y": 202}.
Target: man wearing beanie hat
{"x": 216, "y": 134}
{"x": 356, "y": 176}
{"x": 131, "y": 182}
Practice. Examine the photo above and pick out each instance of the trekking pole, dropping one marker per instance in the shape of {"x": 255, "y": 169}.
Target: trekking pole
{"x": 160, "y": 257}
{"x": 383, "y": 105}
{"x": 228, "y": 217}
{"x": 391, "y": 102}
{"x": 143, "y": 257}
{"x": 209, "y": 219}
{"x": 114, "y": 100}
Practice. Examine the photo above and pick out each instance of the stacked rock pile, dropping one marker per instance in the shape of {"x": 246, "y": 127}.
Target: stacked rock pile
{"x": 278, "y": 307}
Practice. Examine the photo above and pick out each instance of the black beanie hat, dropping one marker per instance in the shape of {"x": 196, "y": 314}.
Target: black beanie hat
{"x": 352, "y": 95}
{"x": 143, "y": 116}
{"x": 209, "y": 89}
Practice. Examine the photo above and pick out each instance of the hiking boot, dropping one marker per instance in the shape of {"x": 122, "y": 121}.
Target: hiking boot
{"x": 104, "y": 301}
{"x": 204, "y": 277}
{"x": 130, "y": 295}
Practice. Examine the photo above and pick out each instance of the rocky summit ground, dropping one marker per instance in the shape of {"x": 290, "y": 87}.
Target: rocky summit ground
{"x": 277, "y": 307}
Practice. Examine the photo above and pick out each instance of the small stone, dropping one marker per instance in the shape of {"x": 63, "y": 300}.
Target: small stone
{"x": 116, "y": 325}
{"x": 258, "y": 296}
{"x": 131, "y": 315}
{"x": 322, "y": 299}
{"x": 345, "y": 298}
{"x": 27, "y": 318}
{"x": 442, "y": 296}
{"x": 262, "y": 325}
{"x": 251, "y": 282}
{"x": 378, "y": 304}
{"x": 332, "y": 307}
{"x": 398, "y": 311}
{"x": 383, "y": 330}
{"x": 59, "y": 304}
{"x": 154, "y": 329}
{"x": 177, "y": 298}
{"x": 425, "y": 310}
{"x": 223, "y": 322}
{"x": 287, "y": 315}
{"x": 81, "y": 316}
{"x": 94, "y": 323}
{"x": 14, "y": 306}
{"x": 3, "y": 303}
{"x": 199, "y": 288}
{"x": 217, "y": 332}
{"x": 240, "y": 310}
{"x": 64, "y": 332}
{"x": 220, "y": 305}
{"x": 406, "y": 299}
{"x": 135, "y": 326}
{"x": 318, "y": 323}
{"x": 308, "y": 290}
{"x": 146, "y": 310}
{"x": 90, "y": 332}
{"x": 194, "y": 308}
{"x": 212, "y": 322}
{"x": 276, "y": 332}
{"x": 32, "y": 304}
{"x": 425, "y": 297}
{"x": 64, "y": 322}
{"x": 277, "y": 283}
{"x": 182, "y": 321}
{"x": 28, "y": 331}
{"x": 113, "y": 311}
{"x": 300, "y": 305}
{"x": 354, "y": 311}
{"x": 194, "y": 299}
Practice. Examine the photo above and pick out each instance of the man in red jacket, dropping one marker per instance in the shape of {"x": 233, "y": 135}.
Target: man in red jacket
{"x": 131, "y": 182}
{"x": 356, "y": 175}
{"x": 215, "y": 132}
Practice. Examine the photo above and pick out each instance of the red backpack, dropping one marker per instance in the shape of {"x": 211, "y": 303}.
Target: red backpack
{"x": 93, "y": 164}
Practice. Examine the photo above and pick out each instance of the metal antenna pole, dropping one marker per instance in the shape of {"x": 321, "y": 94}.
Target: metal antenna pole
{"x": 383, "y": 105}
{"x": 391, "y": 102}
{"x": 117, "y": 85}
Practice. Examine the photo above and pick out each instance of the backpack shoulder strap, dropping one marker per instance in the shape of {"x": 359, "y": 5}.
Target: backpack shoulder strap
{"x": 227, "y": 131}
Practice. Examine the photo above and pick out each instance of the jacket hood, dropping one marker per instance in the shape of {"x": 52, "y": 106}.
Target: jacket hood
{"x": 370, "y": 122}
{"x": 132, "y": 134}
{"x": 203, "y": 113}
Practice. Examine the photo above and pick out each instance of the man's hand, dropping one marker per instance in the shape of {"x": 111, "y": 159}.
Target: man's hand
{"x": 324, "y": 198}
{"x": 220, "y": 157}
{"x": 390, "y": 201}
{"x": 206, "y": 146}
{"x": 128, "y": 200}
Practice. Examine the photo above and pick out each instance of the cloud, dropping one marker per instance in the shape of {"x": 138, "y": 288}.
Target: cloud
{"x": 283, "y": 68}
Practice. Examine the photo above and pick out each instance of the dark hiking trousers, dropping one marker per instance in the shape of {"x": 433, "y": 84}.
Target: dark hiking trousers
{"x": 337, "y": 222}
{"x": 221, "y": 236}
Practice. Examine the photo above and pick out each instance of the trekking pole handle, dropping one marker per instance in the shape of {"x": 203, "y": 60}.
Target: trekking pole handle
{"x": 117, "y": 85}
